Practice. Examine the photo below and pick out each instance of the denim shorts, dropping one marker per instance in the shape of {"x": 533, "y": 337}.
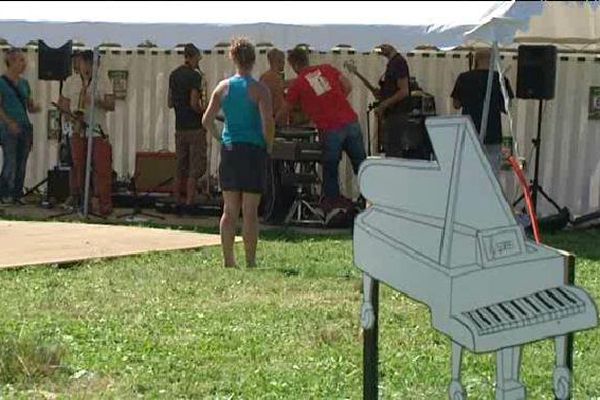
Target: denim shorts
{"x": 243, "y": 168}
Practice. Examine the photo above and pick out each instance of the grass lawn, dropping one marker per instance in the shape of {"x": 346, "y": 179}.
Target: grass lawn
{"x": 178, "y": 326}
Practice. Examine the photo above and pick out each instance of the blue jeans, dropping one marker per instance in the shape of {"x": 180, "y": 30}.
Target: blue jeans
{"x": 15, "y": 150}
{"x": 349, "y": 138}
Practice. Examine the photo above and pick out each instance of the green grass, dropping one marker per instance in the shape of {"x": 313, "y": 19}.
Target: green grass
{"x": 178, "y": 326}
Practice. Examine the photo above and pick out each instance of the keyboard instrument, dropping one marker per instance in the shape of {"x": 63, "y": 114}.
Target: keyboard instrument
{"x": 442, "y": 233}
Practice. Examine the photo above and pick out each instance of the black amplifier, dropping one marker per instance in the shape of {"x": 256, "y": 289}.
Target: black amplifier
{"x": 58, "y": 185}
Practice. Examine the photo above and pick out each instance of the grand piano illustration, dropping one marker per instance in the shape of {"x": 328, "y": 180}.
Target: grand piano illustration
{"x": 442, "y": 233}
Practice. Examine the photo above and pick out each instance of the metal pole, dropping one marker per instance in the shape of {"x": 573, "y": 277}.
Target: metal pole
{"x": 536, "y": 172}
{"x": 368, "y": 131}
{"x": 90, "y": 133}
{"x": 570, "y": 280}
{"x": 488, "y": 93}
{"x": 370, "y": 351}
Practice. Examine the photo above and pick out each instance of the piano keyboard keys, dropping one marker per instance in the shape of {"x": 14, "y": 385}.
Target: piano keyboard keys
{"x": 546, "y": 305}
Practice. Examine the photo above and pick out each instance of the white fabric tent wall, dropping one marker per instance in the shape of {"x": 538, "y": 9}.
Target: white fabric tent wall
{"x": 492, "y": 22}
{"x": 570, "y": 168}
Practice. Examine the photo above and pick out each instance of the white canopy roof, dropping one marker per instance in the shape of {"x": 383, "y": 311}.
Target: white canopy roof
{"x": 322, "y": 25}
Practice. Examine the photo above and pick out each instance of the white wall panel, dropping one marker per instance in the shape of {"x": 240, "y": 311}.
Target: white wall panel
{"x": 570, "y": 164}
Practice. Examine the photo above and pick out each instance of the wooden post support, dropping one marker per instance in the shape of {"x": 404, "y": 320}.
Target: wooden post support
{"x": 370, "y": 351}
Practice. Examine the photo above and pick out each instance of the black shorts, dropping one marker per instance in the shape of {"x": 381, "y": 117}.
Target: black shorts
{"x": 243, "y": 168}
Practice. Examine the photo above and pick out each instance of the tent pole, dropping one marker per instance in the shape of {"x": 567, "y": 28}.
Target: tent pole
{"x": 90, "y": 133}
{"x": 488, "y": 93}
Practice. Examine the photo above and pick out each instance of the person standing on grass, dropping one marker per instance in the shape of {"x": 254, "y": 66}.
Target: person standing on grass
{"x": 186, "y": 88}
{"x": 246, "y": 139}
{"x": 16, "y": 130}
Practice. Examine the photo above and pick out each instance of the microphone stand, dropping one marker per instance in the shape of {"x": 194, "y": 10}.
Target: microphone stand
{"x": 370, "y": 108}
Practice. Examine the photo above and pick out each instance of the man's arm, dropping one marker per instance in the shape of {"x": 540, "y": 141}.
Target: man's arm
{"x": 401, "y": 94}
{"x": 456, "y": 93}
{"x": 32, "y": 107}
{"x": 195, "y": 101}
{"x": 265, "y": 106}
{"x": 346, "y": 84}
{"x": 214, "y": 105}
{"x": 456, "y": 104}
{"x": 283, "y": 112}
{"x": 170, "y": 99}
{"x": 12, "y": 125}
{"x": 293, "y": 97}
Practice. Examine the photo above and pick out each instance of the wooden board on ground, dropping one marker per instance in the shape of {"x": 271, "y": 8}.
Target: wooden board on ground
{"x": 43, "y": 243}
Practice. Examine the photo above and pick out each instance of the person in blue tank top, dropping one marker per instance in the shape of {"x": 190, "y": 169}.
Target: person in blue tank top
{"x": 246, "y": 140}
{"x": 16, "y": 130}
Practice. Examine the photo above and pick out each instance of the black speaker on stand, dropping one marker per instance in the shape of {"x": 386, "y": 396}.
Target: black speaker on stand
{"x": 54, "y": 64}
{"x": 536, "y": 79}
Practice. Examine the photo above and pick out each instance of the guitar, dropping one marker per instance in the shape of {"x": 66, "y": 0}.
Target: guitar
{"x": 351, "y": 67}
{"x": 78, "y": 120}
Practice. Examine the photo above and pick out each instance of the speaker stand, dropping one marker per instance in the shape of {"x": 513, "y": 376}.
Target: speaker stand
{"x": 137, "y": 209}
{"x": 58, "y": 145}
{"x": 536, "y": 188}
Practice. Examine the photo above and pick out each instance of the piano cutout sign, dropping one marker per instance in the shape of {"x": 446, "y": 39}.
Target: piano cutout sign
{"x": 442, "y": 233}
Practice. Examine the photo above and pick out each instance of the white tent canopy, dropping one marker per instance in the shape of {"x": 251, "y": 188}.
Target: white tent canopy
{"x": 322, "y": 25}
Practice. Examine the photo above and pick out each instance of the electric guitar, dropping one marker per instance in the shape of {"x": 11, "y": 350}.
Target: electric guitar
{"x": 351, "y": 67}
{"x": 78, "y": 120}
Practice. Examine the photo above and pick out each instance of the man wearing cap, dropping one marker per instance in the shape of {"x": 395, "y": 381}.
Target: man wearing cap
{"x": 393, "y": 97}
{"x": 187, "y": 95}
{"x": 394, "y": 105}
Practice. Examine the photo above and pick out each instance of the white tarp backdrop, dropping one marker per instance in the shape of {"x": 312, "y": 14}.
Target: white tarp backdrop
{"x": 570, "y": 169}
{"x": 323, "y": 25}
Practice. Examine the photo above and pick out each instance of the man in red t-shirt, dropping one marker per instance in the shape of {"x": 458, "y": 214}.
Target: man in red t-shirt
{"x": 321, "y": 91}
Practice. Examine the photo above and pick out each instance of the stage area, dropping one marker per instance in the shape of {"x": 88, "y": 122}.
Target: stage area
{"x": 48, "y": 243}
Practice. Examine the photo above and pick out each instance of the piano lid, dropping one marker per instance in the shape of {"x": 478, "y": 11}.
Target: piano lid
{"x": 458, "y": 193}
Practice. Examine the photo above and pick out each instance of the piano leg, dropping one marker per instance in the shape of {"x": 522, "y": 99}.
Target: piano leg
{"x": 562, "y": 373}
{"x": 369, "y": 314}
{"x": 456, "y": 390}
{"x": 508, "y": 363}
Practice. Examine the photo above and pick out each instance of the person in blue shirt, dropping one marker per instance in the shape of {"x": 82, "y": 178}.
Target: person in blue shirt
{"x": 16, "y": 131}
{"x": 246, "y": 140}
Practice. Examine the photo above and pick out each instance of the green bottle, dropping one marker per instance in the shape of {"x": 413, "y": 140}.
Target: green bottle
{"x": 507, "y": 151}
